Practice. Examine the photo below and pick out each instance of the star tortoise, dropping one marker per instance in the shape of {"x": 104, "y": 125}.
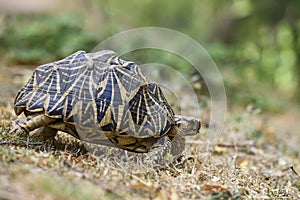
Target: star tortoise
{"x": 100, "y": 98}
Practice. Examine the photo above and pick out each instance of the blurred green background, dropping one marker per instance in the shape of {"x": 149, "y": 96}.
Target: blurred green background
{"x": 255, "y": 44}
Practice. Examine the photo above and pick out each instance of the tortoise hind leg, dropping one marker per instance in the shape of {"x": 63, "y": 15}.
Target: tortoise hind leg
{"x": 45, "y": 132}
{"x": 30, "y": 123}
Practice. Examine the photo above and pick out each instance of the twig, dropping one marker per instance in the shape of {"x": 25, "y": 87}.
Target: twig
{"x": 21, "y": 143}
{"x": 279, "y": 154}
{"x": 235, "y": 145}
{"x": 293, "y": 170}
{"x": 222, "y": 145}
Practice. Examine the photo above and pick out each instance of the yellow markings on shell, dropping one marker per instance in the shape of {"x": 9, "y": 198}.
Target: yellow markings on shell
{"x": 106, "y": 118}
{"x": 142, "y": 126}
{"x": 148, "y": 109}
{"x": 57, "y": 80}
{"x": 120, "y": 116}
{"x": 65, "y": 107}
{"x": 138, "y": 113}
{"x": 77, "y": 53}
{"x": 110, "y": 58}
{"x": 93, "y": 103}
{"x": 35, "y": 86}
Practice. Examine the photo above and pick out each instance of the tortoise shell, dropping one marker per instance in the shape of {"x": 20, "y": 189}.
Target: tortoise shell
{"x": 100, "y": 90}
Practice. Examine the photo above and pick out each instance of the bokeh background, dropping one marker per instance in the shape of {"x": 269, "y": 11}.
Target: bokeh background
{"x": 255, "y": 44}
{"x": 256, "y": 47}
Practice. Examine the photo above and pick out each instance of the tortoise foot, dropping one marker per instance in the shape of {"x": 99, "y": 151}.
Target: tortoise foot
{"x": 16, "y": 129}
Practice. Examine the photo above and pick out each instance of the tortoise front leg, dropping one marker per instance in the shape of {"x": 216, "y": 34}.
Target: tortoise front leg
{"x": 159, "y": 152}
{"x": 165, "y": 150}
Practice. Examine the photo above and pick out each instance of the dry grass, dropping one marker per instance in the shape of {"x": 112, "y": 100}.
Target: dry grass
{"x": 242, "y": 166}
{"x": 250, "y": 162}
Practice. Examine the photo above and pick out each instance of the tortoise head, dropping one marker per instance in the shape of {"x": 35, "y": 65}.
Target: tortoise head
{"x": 187, "y": 125}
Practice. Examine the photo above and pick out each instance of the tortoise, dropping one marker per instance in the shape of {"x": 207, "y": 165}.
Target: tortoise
{"x": 100, "y": 98}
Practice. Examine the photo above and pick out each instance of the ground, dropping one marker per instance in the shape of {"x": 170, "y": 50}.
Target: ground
{"x": 257, "y": 157}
